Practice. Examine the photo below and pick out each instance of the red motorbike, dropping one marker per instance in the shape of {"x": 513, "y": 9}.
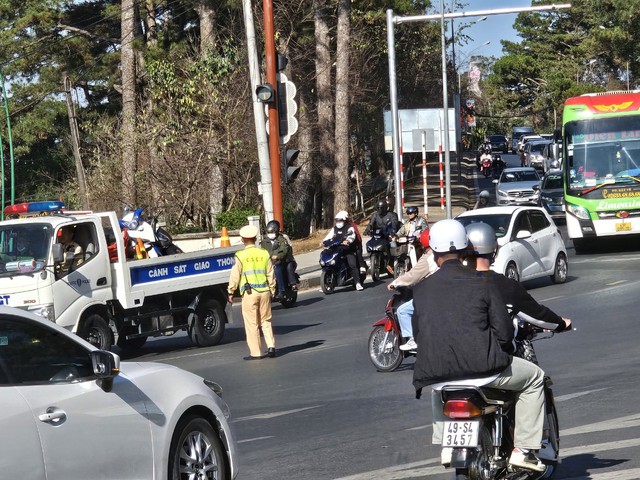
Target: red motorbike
{"x": 385, "y": 338}
{"x": 485, "y": 165}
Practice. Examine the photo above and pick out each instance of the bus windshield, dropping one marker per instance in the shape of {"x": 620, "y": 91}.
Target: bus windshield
{"x": 24, "y": 249}
{"x": 602, "y": 152}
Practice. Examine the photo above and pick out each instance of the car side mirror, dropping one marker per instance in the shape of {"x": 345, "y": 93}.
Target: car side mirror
{"x": 58, "y": 253}
{"x": 495, "y": 181}
{"x": 106, "y": 366}
{"x": 522, "y": 234}
{"x": 536, "y": 188}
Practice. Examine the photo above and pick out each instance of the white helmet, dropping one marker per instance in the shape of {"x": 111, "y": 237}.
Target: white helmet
{"x": 342, "y": 215}
{"x": 447, "y": 236}
{"x": 482, "y": 238}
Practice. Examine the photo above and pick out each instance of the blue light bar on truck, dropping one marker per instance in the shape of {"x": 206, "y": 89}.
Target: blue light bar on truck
{"x": 34, "y": 208}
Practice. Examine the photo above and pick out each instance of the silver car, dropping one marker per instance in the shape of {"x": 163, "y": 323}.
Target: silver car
{"x": 70, "y": 411}
{"x": 534, "y": 154}
{"x": 515, "y": 186}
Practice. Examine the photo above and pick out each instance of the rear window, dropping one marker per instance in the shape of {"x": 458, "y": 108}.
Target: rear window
{"x": 497, "y": 138}
{"x": 552, "y": 181}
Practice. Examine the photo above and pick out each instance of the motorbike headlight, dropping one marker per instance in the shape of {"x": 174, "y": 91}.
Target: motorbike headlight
{"x": 322, "y": 264}
{"x": 578, "y": 211}
{"x": 502, "y": 193}
{"x": 331, "y": 262}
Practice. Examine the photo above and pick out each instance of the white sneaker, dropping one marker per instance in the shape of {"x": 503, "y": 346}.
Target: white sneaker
{"x": 526, "y": 460}
{"x": 445, "y": 456}
{"x": 363, "y": 270}
{"x": 410, "y": 345}
{"x": 359, "y": 286}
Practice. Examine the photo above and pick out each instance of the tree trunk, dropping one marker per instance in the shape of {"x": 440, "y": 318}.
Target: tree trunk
{"x": 128, "y": 62}
{"x": 305, "y": 185}
{"x": 325, "y": 108}
{"x": 207, "y": 16}
{"x": 150, "y": 22}
{"x": 341, "y": 173}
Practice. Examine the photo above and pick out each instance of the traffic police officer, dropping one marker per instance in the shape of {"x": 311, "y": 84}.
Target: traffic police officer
{"x": 252, "y": 274}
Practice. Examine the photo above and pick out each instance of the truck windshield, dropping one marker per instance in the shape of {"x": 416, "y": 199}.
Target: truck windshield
{"x": 24, "y": 249}
{"x": 603, "y": 152}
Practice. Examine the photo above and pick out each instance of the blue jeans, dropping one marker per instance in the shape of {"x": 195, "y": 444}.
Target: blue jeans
{"x": 404, "y": 313}
{"x": 280, "y": 270}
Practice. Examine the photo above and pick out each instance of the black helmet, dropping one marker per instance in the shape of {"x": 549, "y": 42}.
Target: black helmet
{"x": 273, "y": 227}
{"x": 382, "y": 207}
{"x": 412, "y": 210}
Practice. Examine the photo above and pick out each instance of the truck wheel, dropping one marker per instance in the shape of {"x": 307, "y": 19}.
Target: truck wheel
{"x": 96, "y": 331}
{"x": 208, "y": 327}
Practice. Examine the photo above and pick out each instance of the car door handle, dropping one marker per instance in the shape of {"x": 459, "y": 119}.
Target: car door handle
{"x": 52, "y": 417}
{"x": 102, "y": 281}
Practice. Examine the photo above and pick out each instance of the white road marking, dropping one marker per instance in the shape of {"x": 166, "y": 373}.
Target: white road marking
{"x": 599, "y": 447}
{"x": 399, "y": 472}
{"x": 632, "y": 474}
{"x": 571, "y": 396}
{"x": 192, "y": 355}
{"x": 612, "y": 424}
{"x": 421, "y": 427}
{"x": 267, "y": 416}
{"x": 551, "y": 298}
{"x": 254, "y": 439}
{"x": 615, "y": 283}
{"x": 320, "y": 348}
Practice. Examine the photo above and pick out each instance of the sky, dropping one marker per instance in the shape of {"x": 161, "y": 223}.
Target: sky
{"x": 493, "y": 29}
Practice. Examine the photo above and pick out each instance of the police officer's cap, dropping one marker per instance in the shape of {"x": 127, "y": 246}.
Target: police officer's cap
{"x": 249, "y": 231}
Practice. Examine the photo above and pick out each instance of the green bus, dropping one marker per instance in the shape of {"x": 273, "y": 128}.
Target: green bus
{"x": 601, "y": 165}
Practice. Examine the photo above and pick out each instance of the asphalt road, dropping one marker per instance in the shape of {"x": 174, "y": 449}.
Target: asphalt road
{"x": 321, "y": 411}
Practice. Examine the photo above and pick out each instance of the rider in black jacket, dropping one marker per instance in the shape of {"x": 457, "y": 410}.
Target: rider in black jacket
{"x": 483, "y": 244}
{"x": 384, "y": 219}
{"x": 465, "y": 333}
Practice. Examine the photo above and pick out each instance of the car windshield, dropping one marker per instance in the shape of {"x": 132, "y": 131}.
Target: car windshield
{"x": 519, "y": 176}
{"x": 538, "y": 147}
{"x": 24, "y": 248}
{"x": 499, "y": 222}
{"x": 552, "y": 181}
{"x": 497, "y": 138}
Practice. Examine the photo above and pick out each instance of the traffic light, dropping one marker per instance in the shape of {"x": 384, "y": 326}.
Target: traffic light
{"x": 291, "y": 171}
{"x": 265, "y": 93}
{"x": 287, "y": 108}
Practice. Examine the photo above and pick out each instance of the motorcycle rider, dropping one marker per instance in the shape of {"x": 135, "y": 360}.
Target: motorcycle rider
{"x": 412, "y": 228}
{"x": 471, "y": 340}
{"x": 281, "y": 253}
{"x": 482, "y": 247}
{"x": 385, "y": 220}
{"x": 486, "y": 157}
{"x": 483, "y": 200}
{"x": 345, "y": 233}
{"x": 424, "y": 267}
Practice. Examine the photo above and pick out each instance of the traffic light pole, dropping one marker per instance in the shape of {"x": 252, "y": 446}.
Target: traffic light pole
{"x": 274, "y": 133}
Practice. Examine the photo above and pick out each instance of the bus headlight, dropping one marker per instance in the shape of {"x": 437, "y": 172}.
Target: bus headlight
{"x": 578, "y": 211}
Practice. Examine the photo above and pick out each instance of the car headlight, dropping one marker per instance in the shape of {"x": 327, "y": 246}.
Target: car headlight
{"x": 578, "y": 211}
{"x": 502, "y": 193}
{"x": 546, "y": 199}
{"x": 44, "y": 311}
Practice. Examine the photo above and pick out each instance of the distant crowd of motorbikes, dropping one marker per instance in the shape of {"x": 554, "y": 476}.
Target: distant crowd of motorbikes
{"x": 489, "y": 163}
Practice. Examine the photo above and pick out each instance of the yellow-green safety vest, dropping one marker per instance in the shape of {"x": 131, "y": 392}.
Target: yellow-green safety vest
{"x": 254, "y": 261}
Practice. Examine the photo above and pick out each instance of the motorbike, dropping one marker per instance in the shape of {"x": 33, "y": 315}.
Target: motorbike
{"x": 481, "y": 425}
{"x": 289, "y": 297}
{"x": 486, "y": 162}
{"x": 335, "y": 268}
{"x": 402, "y": 254}
{"x": 379, "y": 254}
{"x": 384, "y": 340}
{"x": 497, "y": 164}
{"x": 157, "y": 241}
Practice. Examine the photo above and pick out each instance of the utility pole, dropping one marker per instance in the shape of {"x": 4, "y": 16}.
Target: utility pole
{"x": 75, "y": 146}
{"x": 258, "y": 113}
{"x": 13, "y": 176}
{"x": 274, "y": 128}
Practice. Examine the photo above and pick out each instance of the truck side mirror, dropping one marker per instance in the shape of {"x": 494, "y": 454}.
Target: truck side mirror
{"x": 58, "y": 253}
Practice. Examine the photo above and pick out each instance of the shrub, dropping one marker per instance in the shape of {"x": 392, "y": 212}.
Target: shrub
{"x": 235, "y": 218}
